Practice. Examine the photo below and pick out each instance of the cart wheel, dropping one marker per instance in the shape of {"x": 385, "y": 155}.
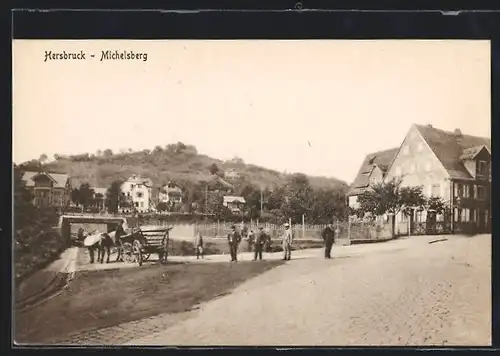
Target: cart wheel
{"x": 128, "y": 255}
{"x": 146, "y": 256}
{"x": 137, "y": 249}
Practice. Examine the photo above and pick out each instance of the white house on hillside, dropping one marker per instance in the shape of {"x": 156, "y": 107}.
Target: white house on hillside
{"x": 234, "y": 203}
{"x": 170, "y": 193}
{"x": 139, "y": 191}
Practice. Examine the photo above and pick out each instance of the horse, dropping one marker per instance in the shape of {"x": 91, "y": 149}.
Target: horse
{"x": 103, "y": 243}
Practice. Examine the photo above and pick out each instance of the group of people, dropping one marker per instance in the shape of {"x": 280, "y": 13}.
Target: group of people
{"x": 258, "y": 241}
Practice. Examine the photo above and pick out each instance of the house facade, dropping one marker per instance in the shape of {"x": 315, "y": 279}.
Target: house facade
{"x": 170, "y": 193}
{"x": 99, "y": 198}
{"x": 49, "y": 189}
{"x": 234, "y": 203}
{"x": 373, "y": 170}
{"x": 449, "y": 165}
{"x": 138, "y": 191}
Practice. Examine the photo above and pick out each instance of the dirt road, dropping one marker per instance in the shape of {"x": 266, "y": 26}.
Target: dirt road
{"x": 399, "y": 293}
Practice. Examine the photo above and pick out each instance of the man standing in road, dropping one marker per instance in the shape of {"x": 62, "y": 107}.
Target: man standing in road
{"x": 328, "y": 235}
{"x": 234, "y": 239}
{"x": 287, "y": 242}
{"x": 260, "y": 240}
{"x": 199, "y": 246}
{"x": 119, "y": 233}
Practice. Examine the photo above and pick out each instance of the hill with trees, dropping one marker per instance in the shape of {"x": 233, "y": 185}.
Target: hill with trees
{"x": 196, "y": 173}
{"x": 176, "y": 162}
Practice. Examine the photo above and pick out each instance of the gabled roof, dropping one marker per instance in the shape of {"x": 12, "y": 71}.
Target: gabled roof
{"x": 59, "y": 179}
{"x": 99, "y": 191}
{"x": 380, "y": 159}
{"x": 471, "y": 153}
{"x": 233, "y": 199}
{"x": 449, "y": 147}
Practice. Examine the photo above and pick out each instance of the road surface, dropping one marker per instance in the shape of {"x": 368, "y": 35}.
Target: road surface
{"x": 405, "y": 292}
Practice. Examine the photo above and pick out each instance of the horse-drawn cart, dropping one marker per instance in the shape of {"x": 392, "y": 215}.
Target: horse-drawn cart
{"x": 141, "y": 243}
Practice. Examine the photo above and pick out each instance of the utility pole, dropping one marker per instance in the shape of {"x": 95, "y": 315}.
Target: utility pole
{"x": 206, "y": 199}
{"x": 261, "y": 201}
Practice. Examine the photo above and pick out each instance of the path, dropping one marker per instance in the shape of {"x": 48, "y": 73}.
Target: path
{"x": 405, "y": 292}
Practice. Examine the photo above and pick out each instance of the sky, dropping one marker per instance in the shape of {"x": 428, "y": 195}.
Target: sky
{"x": 315, "y": 106}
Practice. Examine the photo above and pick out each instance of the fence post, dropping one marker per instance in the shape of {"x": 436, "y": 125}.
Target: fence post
{"x": 349, "y": 231}
{"x": 303, "y": 226}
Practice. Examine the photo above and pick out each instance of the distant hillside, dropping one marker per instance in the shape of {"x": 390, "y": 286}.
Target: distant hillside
{"x": 177, "y": 162}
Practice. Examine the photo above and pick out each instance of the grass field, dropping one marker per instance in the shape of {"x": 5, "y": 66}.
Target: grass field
{"x": 100, "y": 299}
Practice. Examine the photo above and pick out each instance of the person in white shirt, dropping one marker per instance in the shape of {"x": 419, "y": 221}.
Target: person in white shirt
{"x": 287, "y": 242}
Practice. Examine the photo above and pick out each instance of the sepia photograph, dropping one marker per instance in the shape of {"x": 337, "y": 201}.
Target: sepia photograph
{"x": 251, "y": 193}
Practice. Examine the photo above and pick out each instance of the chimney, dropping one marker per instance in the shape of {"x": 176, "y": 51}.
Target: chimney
{"x": 457, "y": 132}
{"x": 429, "y": 125}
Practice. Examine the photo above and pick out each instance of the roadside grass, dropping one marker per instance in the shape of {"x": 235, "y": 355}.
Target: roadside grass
{"x": 99, "y": 299}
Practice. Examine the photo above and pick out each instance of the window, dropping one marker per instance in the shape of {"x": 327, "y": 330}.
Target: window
{"x": 458, "y": 214}
{"x": 128, "y": 194}
{"x": 466, "y": 191}
{"x": 465, "y": 217}
{"x": 139, "y": 194}
{"x": 482, "y": 167}
{"x": 131, "y": 186}
{"x": 480, "y": 192}
{"x": 413, "y": 168}
{"x": 436, "y": 190}
{"x": 136, "y": 204}
{"x": 142, "y": 204}
{"x": 458, "y": 190}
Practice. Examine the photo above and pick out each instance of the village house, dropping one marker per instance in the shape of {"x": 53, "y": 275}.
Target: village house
{"x": 99, "y": 198}
{"x": 170, "y": 193}
{"x": 234, "y": 203}
{"x": 450, "y": 165}
{"x": 49, "y": 189}
{"x": 138, "y": 191}
{"x": 372, "y": 171}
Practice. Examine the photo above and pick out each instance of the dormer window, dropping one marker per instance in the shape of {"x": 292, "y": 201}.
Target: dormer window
{"x": 482, "y": 167}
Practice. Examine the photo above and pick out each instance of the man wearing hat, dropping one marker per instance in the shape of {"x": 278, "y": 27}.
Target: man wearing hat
{"x": 328, "y": 235}
{"x": 234, "y": 239}
{"x": 287, "y": 242}
{"x": 260, "y": 240}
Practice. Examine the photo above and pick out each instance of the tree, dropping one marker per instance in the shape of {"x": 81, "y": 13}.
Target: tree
{"x": 43, "y": 158}
{"x": 298, "y": 194}
{"x": 214, "y": 169}
{"x": 113, "y": 196}
{"x": 85, "y": 195}
{"x": 391, "y": 198}
{"x": 436, "y": 205}
{"x": 107, "y": 153}
{"x": 161, "y": 206}
{"x": 326, "y": 204}
{"x": 252, "y": 197}
{"x": 22, "y": 196}
{"x": 33, "y": 165}
{"x": 75, "y": 196}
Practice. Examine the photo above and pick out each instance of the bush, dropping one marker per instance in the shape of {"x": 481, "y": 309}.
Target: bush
{"x": 37, "y": 243}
